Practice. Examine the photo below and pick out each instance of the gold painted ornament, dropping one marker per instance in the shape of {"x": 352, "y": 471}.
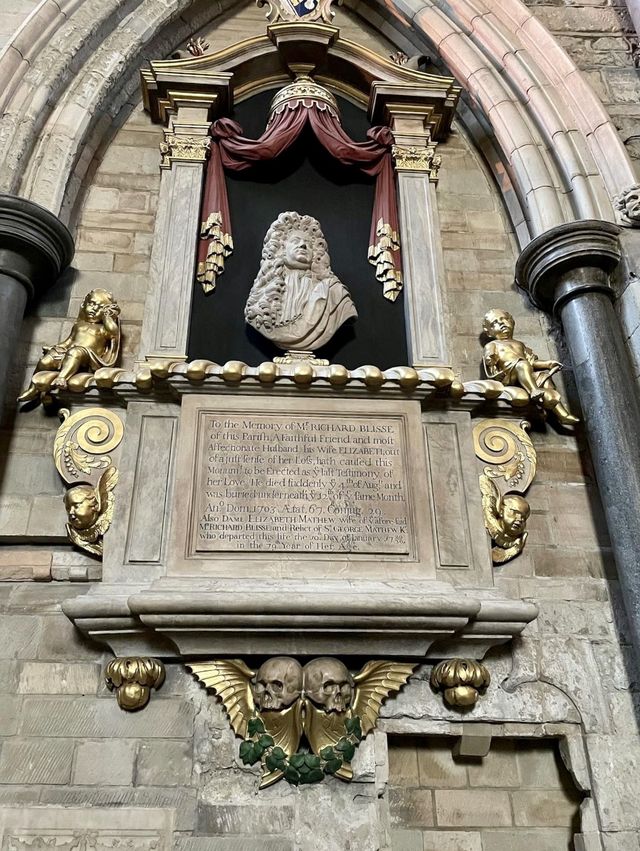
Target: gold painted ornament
{"x": 274, "y": 707}
{"x": 505, "y": 518}
{"x": 511, "y": 466}
{"x": 82, "y": 455}
{"x": 461, "y": 681}
{"x": 94, "y": 343}
{"x": 515, "y": 364}
{"x": 132, "y": 678}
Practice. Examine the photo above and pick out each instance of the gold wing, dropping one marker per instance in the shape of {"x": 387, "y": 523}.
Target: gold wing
{"x": 86, "y": 540}
{"x": 324, "y": 729}
{"x": 286, "y": 729}
{"x": 500, "y": 555}
{"x": 375, "y": 682}
{"x": 230, "y": 679}
{"x": 490, "y": 506}
{"x": 107, "y": 482}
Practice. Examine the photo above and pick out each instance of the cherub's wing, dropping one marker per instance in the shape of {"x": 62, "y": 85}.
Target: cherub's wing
{"x": 375, "y": 682}
{"x": 85, "y": 540}
{"x": 104, "y": 491}
{"x": 501, "y": 555}
{"x": 325, "y": 729}
{"x": 490, "y": 506}
{"x": 230, "y": 679}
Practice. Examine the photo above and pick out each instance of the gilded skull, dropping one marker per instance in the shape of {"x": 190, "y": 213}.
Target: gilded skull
{"x": 328, "y": 683}
{"x": 277, "y": 684}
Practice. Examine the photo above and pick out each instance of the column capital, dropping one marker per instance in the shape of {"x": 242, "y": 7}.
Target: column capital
{"x": 35, "y": 247}
{"x": 587, "y": 244}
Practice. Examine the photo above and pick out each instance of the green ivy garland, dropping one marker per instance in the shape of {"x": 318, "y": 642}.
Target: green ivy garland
{"x": 300, "y": 767}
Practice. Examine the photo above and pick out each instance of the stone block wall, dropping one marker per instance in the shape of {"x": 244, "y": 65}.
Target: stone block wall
{"x": 601, "y": 40}
{"x": 520, "y": 795}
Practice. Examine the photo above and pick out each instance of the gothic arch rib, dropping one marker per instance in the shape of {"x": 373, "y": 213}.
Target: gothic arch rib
{"x": 550, "y": 127}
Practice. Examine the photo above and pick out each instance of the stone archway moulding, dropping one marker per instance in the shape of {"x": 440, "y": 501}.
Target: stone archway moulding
{"x": 73, "y": 65}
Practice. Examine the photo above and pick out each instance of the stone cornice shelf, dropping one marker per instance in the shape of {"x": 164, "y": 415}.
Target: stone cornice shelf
{"x": 427, "y": 620}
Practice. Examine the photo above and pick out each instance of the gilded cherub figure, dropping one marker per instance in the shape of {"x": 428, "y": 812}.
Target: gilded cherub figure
{"x": 513, "y": 363}
{"x": 505, "y": 518}
{"x": 90, "y": 511}
{"x": 94, "y": 342}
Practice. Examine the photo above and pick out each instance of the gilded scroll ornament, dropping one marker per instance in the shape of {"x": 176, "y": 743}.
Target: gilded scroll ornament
{"x": 414, "y": 158}
{"x": 511, "y": 463}
{"x": 132, "y": 678}
{"x": 183, "y": 149}
{"x": 461, "y": 681}
{"x": 83, "y": 442}
{"x": 513, "y": 363}
{"x": 274, "y": 707}
{"x": 82, "y": 455}
{"x": 627, "y": 206}
{"x": 94, "y": 342}
{"x": 296, "y": 301}
{"x": 290, "y": 10}
{"x": 508, "y": 451}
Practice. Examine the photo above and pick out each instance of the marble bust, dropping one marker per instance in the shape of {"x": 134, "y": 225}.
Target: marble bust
{"x": 296, "y": 301}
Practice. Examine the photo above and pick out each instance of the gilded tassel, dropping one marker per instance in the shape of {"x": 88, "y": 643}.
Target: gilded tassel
{"x": 219, "y": 248}
{"x": 381, "y": 256}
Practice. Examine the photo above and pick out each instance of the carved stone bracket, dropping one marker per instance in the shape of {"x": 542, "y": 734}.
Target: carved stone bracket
{"x": 132, "y": 679}
{"x": 432, "y": 622}
{"x": 627, "y": 206}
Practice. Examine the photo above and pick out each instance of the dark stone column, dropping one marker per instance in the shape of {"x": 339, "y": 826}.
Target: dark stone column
{"x": 35, "y": 247}
{"x": 566, "y": 270}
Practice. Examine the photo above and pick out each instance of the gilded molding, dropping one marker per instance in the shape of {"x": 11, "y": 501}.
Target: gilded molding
{"x": 461, "y": 681}
{"x": 183, "y": 149}
{"x": 274, "y": 707}
{"x": 132, "y": 678}
{"x": 415, "y": 158}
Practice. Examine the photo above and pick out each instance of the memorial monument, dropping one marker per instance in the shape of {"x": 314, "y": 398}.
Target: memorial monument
{"x": 303, "y": 546}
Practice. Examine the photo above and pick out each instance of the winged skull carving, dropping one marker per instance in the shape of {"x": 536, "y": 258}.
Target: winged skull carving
{"x": 317, "y": 701}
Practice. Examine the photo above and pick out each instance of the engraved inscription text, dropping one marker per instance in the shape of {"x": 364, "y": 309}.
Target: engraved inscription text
{"x": 295, "y": 483}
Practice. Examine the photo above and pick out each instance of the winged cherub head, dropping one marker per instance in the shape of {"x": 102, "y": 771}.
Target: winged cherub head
{"x": 83, "y": 506}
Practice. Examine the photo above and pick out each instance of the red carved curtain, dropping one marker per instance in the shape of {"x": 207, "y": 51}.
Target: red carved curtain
{"x": 231, "y": 150}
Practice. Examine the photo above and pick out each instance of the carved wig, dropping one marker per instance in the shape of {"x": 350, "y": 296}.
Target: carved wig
{"x": 328, "y": 304}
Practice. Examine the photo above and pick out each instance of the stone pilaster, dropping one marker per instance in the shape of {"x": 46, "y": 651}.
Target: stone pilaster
{"x": 410, "y": 115}
{"x": 566, "y": 270}
{"x": 35, "y": 247}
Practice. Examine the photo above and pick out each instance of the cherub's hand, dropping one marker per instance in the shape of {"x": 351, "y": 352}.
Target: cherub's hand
{"x": 112, "y": 310}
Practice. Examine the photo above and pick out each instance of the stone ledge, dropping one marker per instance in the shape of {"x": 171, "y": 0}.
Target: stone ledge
{"x": 425, "y": 620}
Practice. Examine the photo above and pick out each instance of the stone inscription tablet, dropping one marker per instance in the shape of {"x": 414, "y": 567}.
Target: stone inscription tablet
{"x": 301, "y": 483}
